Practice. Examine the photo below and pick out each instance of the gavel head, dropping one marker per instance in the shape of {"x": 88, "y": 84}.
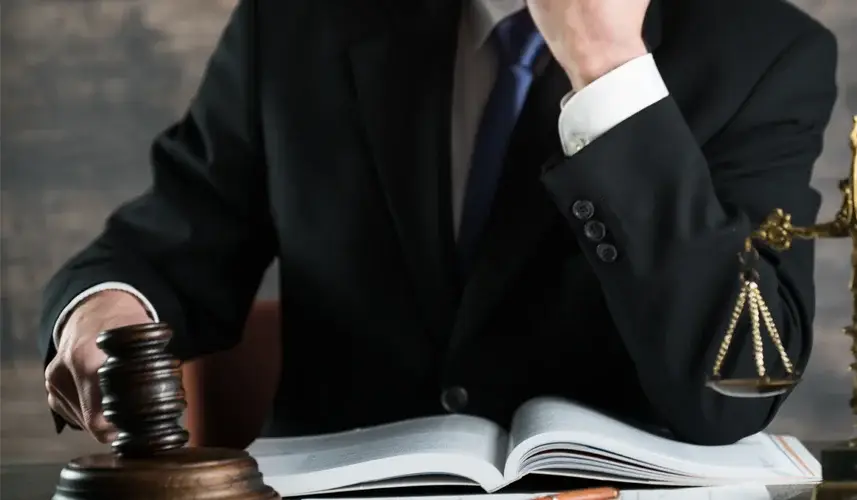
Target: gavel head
{"x": 141, "y": 389}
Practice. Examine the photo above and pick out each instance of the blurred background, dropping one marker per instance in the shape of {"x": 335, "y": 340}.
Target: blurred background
{"x": 86, "y": 84}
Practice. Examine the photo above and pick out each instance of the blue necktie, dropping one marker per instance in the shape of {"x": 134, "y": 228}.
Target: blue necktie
{"x": 518, "y": 43}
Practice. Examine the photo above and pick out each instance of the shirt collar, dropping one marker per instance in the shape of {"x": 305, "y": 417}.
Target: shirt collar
{"x": 484, "y": 15}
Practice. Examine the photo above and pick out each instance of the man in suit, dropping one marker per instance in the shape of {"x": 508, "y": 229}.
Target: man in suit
{"x": 473, "y": 203}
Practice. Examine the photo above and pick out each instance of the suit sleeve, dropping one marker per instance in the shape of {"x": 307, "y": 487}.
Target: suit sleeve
{"x": 676, "y": 215}
{"x": 198, "y": 241}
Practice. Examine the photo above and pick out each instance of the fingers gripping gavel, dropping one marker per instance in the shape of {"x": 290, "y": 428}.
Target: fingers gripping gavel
{"x": 71, "y": 378}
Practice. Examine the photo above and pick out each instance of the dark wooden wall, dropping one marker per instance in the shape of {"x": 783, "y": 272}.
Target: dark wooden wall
{"x": 87, "y": 83}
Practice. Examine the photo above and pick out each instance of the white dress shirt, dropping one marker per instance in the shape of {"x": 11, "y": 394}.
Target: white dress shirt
{"x": 585, "y": 113}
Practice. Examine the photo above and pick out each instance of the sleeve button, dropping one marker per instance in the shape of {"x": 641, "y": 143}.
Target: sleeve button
{"x": 594, "y": 230}
{"x": 606, "y": 252}
{"x": 583, "y": 209}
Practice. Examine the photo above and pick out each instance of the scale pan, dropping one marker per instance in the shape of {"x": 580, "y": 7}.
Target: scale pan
{"x": 760, "y": 387}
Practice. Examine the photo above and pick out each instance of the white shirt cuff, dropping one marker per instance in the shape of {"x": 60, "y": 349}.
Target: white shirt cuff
{"x": 102, "y": 287}
{"x": 608, "y": 101}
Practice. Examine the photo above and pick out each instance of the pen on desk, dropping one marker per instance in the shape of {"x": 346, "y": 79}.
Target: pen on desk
{"x": 587, "y": 494}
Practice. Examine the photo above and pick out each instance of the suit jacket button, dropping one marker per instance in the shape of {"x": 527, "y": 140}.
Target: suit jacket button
{"x": 454, "y": 399}
{"x": 583, "y": 209}
{"x": 594, "y": 230}
{"x": 606, "y": 252}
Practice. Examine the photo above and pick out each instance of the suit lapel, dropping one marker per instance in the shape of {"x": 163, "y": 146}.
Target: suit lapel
{"x": 403, "y": 75}
{"x": 523, "y": 214}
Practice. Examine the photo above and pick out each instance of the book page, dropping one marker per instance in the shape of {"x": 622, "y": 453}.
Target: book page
{"x": 747, "y": 492}
{"x": 457, "y": 447}
{"x": 750, "y": 492}
{"x": 543, "y": 425}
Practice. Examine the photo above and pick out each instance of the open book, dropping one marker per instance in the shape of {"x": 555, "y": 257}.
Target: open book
{"x": 547, "y": 436}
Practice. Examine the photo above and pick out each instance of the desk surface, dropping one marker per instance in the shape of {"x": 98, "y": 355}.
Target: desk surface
{"x": 37, "y": 481}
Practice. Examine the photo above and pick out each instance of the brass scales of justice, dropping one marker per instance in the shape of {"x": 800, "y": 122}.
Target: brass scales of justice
{"x": 839, "y": 463}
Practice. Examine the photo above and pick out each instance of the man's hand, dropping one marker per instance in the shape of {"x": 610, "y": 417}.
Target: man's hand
{"x": 590, "y": 38}
{"x": 71, "y": 378}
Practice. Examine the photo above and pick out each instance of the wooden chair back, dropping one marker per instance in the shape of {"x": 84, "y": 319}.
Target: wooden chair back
{"x": 229, "y": 394}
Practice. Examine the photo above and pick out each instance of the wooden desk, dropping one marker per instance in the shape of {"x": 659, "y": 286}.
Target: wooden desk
{"x": 37, "y": 481}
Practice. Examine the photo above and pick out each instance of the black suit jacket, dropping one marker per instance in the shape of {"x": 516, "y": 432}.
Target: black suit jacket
{"x": 320, "y": 136}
